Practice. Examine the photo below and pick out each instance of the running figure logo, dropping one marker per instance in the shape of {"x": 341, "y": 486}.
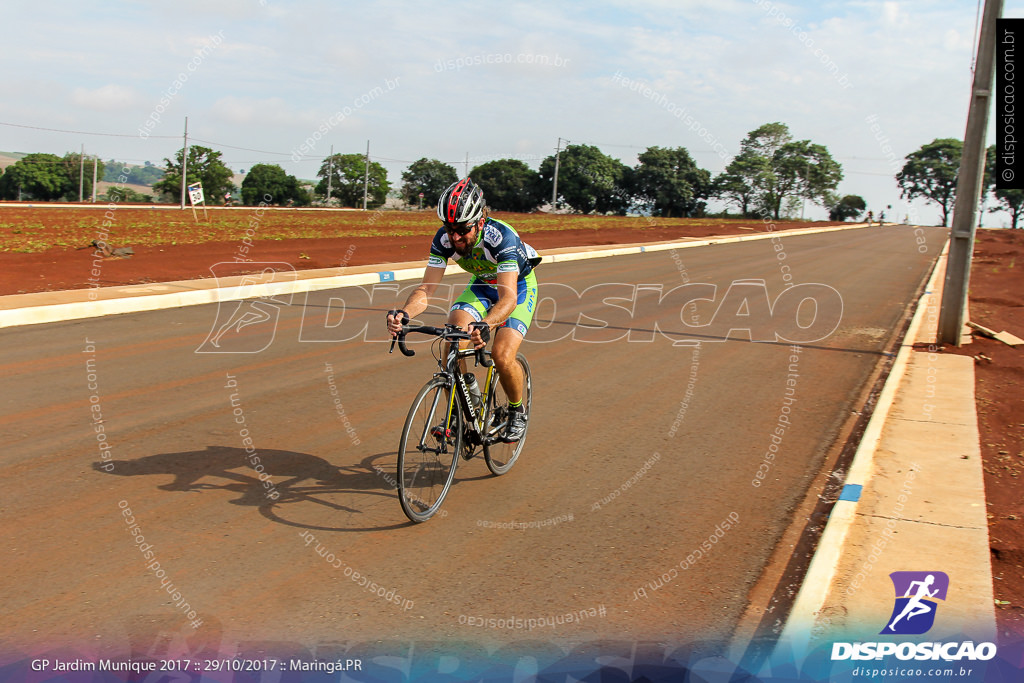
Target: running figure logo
{"x": 245, "y": 323}
{"x": 917, "y": 594}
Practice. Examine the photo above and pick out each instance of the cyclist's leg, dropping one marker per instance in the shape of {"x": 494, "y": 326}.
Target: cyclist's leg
{"x": 503, "y": 353}
{"x": 471, "y": 306}
{"x": 460, "y": 317}
{"x": 510, "y": 335}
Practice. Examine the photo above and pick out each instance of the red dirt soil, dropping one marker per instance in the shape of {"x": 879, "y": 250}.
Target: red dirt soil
{"x": 996, "y": 298}
{"x": 60, "y": 269}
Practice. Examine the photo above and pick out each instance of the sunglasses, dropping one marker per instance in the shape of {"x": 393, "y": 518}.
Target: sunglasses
{"x": 460, "y": 231}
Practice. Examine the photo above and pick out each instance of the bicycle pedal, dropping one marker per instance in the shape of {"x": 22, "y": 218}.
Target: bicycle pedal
{"x": 440, "y": 432}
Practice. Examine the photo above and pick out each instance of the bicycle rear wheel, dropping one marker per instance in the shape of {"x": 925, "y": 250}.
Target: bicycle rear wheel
{"x": 429, "y": 450}
{"x": 501, "y": 456}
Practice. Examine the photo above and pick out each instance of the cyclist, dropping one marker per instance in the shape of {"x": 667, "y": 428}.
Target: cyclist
{"x": 501, "y": 295}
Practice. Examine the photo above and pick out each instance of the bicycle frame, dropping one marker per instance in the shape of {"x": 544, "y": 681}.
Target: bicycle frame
{"x": 453, "y": 374}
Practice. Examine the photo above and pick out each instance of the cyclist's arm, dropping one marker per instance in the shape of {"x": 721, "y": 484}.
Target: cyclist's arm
{"x": 418, "y": 299}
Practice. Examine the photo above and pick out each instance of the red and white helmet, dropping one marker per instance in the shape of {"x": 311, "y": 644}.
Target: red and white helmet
{"x": 462, "y": 202}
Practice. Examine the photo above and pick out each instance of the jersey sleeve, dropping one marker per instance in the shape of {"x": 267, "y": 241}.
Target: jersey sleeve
{"x": 441, "y": 250}
{"x": 510, "y": 253}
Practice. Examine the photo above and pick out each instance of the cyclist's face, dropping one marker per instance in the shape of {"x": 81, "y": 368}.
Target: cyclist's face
{"x": 463, "y": 243}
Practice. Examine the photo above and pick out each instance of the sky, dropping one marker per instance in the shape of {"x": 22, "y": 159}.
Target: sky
{"x": 282, "y": 81}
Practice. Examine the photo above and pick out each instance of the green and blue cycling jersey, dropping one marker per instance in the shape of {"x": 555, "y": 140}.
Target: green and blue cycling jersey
{"x": 498, "y": 249}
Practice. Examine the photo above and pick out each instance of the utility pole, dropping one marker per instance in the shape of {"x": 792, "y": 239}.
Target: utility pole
{"x": 184, "y": 165}
{"x": 554, "y": 190}
{"x": 81, "y": 174}
{"x": 968, "y": 186}
{"x": 330, "y": 174}
{"x": 366, "y": 176}
{"x": 95, "y": 162}
{"x": 466, "y": 174}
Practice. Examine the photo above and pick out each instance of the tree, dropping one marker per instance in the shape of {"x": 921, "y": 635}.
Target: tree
{"x": 803, "y": 169}
{"x": 72, "y": 163}
{"x": 931, "y": 174}
{"x": 792, "y": 208}
{"x": 669, "y": 183}
{"x": 1012, "y": 201}
{"x": 738, "y": 183}
{"x": 849, "y": 206}
{"x": 204, "y": 165}
{"x": 509, "y": 185}
{"x": 270, "y": 183}
{"x": 347, "y": 171}
{"x": 36, "y": 176}
{"x": 588, "y": 180}
{"x": 988, "y": 176}
{"x": 772, "y": 166}
{"x": 429, "y": 176}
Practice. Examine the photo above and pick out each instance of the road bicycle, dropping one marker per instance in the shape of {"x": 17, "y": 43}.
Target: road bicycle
{"x": 447, "y": 421}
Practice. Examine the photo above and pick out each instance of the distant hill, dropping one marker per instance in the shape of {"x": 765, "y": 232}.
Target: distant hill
{"x": 140, "y": 178}
{"x": 8, "y": 158}
{"x": 146, "y": 174}
{"x": 143, "y": 175}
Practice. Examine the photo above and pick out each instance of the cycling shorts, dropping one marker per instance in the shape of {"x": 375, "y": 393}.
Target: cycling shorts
{"x": 480, "y": 296}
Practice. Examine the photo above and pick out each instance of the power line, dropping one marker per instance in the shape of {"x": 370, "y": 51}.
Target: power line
{"x": 244, "y": 149}
{"x": 82, "y": 132}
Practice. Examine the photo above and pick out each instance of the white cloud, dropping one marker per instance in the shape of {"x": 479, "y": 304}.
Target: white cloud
{"x": 893, "y": 16}
{"x": 272, "y": 111}
{"x": 109, "y": 97}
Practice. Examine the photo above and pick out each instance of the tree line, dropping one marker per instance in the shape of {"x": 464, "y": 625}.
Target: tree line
{"x": 48, "y": 177}
{"x": 771, "y": 168}
{"x": 770, "y": 177}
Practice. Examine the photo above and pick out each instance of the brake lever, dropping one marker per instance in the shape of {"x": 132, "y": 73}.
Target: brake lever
{"x": 406, "y": 351}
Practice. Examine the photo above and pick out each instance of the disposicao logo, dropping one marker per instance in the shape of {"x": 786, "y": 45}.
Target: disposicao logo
{"x": 917, "y": 600}
{"x": 917, "y": 596}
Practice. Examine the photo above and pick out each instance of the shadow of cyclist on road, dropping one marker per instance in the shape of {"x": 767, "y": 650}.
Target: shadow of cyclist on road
{"x": 236, "y": 466}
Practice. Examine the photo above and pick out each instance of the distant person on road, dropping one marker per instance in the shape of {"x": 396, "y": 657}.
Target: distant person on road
{"x": 881, "y": 218}
{"x": 502, "y": 295}
{"x": 871, "y": 217}
{"x": 227, "y": 199}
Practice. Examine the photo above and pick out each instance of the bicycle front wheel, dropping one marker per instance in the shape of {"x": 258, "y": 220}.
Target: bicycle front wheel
{"x": 501, "y": 456}
{"x": 429, "y": 450}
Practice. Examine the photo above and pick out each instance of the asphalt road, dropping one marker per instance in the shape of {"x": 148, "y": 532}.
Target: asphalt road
{"x": 665, "y": 456}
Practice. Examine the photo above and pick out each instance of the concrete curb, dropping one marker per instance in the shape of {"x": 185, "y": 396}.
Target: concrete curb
{"x": 819, "y": 592}
{"x": 822, "y": 569}
{"x": 48, "y": 307}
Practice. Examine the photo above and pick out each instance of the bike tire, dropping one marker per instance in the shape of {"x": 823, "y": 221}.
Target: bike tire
{"x": 426, "y": 463}
{"x": 501, "y": 456}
